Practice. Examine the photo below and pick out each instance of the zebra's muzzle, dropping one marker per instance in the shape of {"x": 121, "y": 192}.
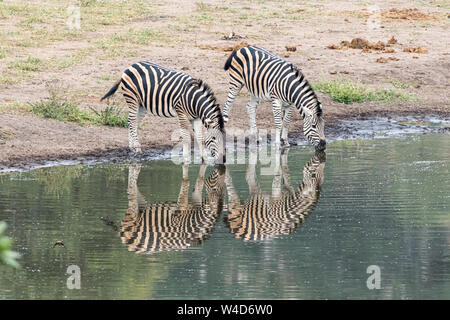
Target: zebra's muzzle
{"x": 322, "y": 145}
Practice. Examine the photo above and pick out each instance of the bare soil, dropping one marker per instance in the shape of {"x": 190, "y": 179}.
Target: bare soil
{"x": 418, "y": 55}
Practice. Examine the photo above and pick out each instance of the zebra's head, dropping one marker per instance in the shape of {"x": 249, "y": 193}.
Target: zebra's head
{"x": 200, "y": 100}
{"x": 215, "y": 137}
{"x": 313, "y": 173}
{"x": 313, "y": 126}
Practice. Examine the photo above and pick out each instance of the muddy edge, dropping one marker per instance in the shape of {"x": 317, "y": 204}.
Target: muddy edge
{"x": 335, "y": 129}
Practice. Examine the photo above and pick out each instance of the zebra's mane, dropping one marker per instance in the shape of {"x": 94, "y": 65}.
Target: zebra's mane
{"x": 207, "y": 89}
{"x": 204, "y": 86}
{"x": 298, "y": 74}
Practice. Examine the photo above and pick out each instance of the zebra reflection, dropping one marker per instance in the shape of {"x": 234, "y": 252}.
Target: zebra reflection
{"x": 268, "y": 214}
{"x": 150, "y": 228}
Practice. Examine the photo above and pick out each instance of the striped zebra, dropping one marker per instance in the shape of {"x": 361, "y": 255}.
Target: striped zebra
{"x": 147, "y": 86}
{"x": 265, "y": 215}
{"x": 270, "y": 78}
{"x": 165, "y": 226}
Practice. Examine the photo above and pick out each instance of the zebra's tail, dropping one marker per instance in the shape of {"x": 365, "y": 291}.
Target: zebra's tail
{"x": 230, "y": 58}
{"x": 112, "y": 90}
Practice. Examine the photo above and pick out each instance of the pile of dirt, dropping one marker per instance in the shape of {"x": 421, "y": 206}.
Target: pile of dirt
{"x": 379, "y": 47}
{"x": 415, "y": 50}
{"x": 365, "y": 45}
{"x": 291, "y": 48}
{"x": 385, "y": 60}
{"x": 237, "y": 46}
{"x": 391, "y": 41}
{"x": 407, "y": 14}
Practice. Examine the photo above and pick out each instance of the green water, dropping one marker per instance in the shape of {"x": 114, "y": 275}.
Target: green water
{"x": 382, "y": 202}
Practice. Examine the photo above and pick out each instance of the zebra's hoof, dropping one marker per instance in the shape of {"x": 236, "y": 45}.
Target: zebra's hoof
{"x": 186, "y": 161}
{"x": 285, "y": 143}
{"x": 225, "y": 119}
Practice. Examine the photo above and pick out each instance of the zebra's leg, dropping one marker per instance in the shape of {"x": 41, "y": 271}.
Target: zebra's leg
{"x": 250, "y": 175}
{"x": 186, "y": 137}
{"x": 197, "y": 125}
{"x": 198, "y": 188}
{"x": 285, "y": 171}
{"x": 277, "y": 175}
{"x": 277, "y": 115}
{"x": 135, "y": 199}
{"x": 235, "y": 207}
{"x": 133, "y": 122}
{"x": 233, "y": 91}
{"x": 233, "y": 198}
{"x": 183, "y": 196}
{"x": 286, "y": 121}
{"x": 252, "y": 105}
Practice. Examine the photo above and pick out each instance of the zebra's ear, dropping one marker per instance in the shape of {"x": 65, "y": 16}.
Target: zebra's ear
{"x": 208, "y": 122}
{"x": 195, "y": 83}
{"x": 307, "y": 112}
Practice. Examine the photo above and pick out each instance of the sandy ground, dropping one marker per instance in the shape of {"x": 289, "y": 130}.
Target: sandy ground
{"x": 26, "y": 139}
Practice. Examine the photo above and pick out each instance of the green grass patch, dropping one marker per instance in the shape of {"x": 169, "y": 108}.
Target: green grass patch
{"x": 118, "y": 45}
{"x": 112, "y": 116}
{"x": 398, "y": 84}
{"x": 12, "y": 77}
{"x": 65, "y": 110}
{"x": 202, "y": 7}
{"x": 59, "y": 110}
{"x": 347, "y": 91}
{"x": 29, "y": 64}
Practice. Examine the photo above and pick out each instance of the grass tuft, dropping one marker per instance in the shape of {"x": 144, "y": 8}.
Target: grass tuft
{"x": 65, "y": 110}
{"x": 29, "y": 64}
{"x": 57, "y": 109}
{"x": 347, "y": 91}
{"x": 112, "y": 116}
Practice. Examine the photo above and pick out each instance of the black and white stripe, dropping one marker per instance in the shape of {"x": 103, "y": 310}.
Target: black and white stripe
{"x": 150, "y": 228}
{"x": 149, "y": 87}
{"x": 270, "y": 78}
{"x": 265, "y": 215}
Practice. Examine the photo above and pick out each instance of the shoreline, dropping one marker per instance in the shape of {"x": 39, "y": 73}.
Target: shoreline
{"x": 339, "y": 128}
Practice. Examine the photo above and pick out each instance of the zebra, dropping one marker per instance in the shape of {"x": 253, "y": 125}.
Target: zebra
{"x": 149, "y": 87}
{"x": 270, "y": 78}
{"x": 265, "y": 215}
{"x": 156, "y": 227}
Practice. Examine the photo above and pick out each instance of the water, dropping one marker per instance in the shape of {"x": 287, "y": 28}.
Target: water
{"x": 382, "y": 202}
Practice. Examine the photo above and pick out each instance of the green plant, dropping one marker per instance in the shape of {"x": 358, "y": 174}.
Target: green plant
{"x": 29, "y": 64}
{"x": 398, "y": 84}
{"x": 58, "y": 109}
{"x": 7, "y": 256}
{"x": 111, "y": 116}
{"x": 346, "y": 91}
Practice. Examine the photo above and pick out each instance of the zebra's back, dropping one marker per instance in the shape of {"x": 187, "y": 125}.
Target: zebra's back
{"x": 258, "y": 69}
{"x": 154, "y": 87}
{"x": 166, "y": 226}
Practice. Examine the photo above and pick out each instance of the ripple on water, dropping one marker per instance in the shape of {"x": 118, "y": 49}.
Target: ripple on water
{"x": 382, "y": 202}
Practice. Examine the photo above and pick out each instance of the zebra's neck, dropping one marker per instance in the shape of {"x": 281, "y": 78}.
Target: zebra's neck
{"x": 300, "y": 93}
{"x": 199, "y": 101}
